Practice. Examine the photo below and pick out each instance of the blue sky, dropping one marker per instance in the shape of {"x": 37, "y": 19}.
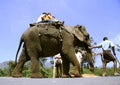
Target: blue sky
{"x": 100, "y": 17}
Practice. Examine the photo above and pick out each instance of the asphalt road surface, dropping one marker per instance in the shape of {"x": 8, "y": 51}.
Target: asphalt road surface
{"x": 61, "y": 81}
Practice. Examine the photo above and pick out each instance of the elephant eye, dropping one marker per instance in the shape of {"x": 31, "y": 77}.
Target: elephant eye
{"x": 87, "y": 37}
{"x": 80, "y": 26}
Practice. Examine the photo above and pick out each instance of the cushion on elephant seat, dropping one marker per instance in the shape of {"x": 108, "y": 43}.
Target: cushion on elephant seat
{"x": 51, "y": 23}
{"x": 45, "y": 25}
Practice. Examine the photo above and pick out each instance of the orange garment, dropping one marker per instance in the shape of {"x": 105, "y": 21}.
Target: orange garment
{"x": 47, "y": 17}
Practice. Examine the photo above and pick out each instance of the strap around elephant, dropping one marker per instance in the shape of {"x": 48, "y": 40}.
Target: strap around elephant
{"x": 44, "y": 25}
{"x": 51, "y": 24}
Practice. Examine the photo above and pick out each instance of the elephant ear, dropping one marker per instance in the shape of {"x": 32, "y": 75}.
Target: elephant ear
{"x": 77, "y": 32}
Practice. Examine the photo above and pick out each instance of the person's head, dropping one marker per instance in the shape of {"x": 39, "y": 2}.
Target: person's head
{"x": 44, "y": 13}
{"x": 76, "y": 50}
{"x": 49, "y": 13}
{"x": 105, "y": 38}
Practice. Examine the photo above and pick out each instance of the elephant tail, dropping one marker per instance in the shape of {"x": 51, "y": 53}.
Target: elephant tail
{"x": 20, "y": 43}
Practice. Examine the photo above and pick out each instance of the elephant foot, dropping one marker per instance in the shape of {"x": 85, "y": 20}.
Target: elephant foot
{"x": 116, "y": 74}
{"x": 36, "y": 75}
{"x": 104, "y": 74}
{"x": 66, "y": 76}
{"x": 75, "y": 74}
{"x": 16, "y": 75}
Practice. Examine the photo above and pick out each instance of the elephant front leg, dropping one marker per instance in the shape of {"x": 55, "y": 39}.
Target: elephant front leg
{"x": 66, "y": 67}
{"x": 90, "y": 61}
{"x": 35, "y": 68}
{"x": 75, "y": 71}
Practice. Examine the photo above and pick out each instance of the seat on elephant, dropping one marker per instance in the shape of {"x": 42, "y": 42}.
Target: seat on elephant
{"x": 58, "y": 23}
{"x": 52, "y": 29}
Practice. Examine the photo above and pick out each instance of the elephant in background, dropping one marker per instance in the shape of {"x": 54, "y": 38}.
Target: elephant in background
{"x": 44, "y": 39}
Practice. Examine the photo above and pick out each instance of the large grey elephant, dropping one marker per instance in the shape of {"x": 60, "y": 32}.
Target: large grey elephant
{"x": 48, "y": 39}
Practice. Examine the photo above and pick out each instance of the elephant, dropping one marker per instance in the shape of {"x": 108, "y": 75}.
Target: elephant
{"x": 48, "y": 39}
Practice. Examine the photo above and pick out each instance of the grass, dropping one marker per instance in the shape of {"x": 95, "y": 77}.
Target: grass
{"x": 47, "y": 73}
{"x": 98, "y": 71}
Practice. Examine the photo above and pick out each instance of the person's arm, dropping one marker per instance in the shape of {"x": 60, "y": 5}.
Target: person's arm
{"x": 113, "y": 49}
{"x": 99, "y": 46}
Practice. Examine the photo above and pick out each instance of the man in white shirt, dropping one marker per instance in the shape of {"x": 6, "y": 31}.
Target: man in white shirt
{"x": 57, "y": 67}
{"x": 79, "y": 56}
{"x": 41, "y": 17}
{"x": 108, "y": 46}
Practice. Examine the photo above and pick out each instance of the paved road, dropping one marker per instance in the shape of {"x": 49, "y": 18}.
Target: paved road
{"x": 61, "y": 81}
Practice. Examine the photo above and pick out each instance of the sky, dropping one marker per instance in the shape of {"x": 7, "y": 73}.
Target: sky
{"x": 100, "y": 17}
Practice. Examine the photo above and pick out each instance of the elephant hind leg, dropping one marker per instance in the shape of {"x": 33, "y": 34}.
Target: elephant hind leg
{"x": 17, "y": 72}
{"x": 35, "y": 68}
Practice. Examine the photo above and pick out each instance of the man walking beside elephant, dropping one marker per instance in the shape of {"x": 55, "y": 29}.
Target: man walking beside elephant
{"x": 108, "y": 46}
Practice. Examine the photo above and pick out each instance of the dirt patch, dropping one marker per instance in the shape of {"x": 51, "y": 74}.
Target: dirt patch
{"x": 89, "y": 75}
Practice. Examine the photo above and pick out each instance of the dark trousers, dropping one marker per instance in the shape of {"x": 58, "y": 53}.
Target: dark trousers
{"x": 107, "y": 55}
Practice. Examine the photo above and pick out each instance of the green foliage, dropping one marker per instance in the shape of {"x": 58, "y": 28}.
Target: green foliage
{"x": 26, "y": 73}
{"x": 5, "y": 72}
{"x": 87, "y": 71}
{"x": 47, "y": 72}
{"x": 1, "y": 72}
{"x": 98, "y": 71}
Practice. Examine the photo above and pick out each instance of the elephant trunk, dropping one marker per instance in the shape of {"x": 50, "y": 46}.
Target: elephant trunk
{"x": 90, "y": 59}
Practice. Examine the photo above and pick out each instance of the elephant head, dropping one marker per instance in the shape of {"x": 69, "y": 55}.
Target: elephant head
{"x": 83, "y": 36}
{"x": 81, "y": 33}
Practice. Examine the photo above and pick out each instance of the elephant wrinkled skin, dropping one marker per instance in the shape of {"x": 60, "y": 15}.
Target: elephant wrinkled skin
{"x": 45, "y": 40}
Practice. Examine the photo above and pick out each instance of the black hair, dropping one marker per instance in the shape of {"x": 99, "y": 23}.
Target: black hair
{"x": 44, "y": 13}
{"x": 105, "y": 38}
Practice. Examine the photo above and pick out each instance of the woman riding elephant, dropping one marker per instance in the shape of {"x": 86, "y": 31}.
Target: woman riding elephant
{"x": 44, "y": 39}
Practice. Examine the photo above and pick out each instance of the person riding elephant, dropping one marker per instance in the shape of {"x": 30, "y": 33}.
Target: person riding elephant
{"x": 44, "y": 40}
